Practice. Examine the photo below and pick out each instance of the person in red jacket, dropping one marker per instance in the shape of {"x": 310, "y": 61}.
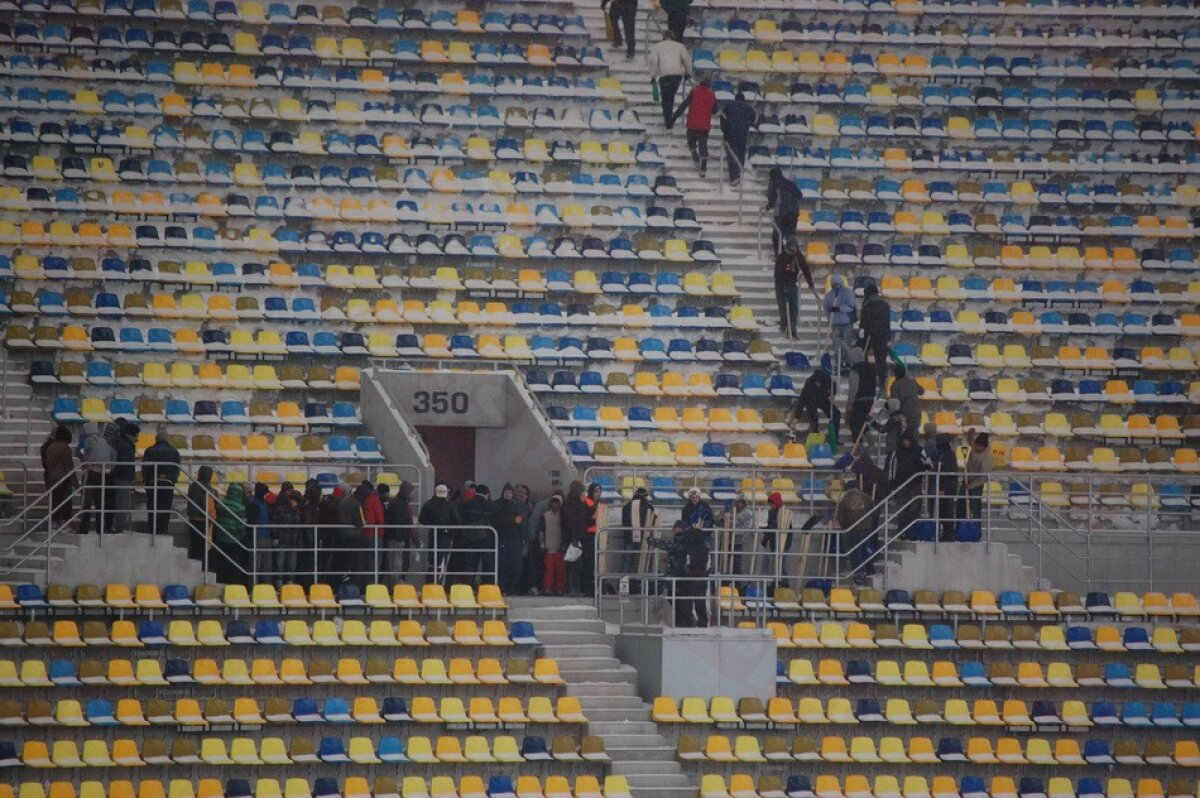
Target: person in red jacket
{"x": 701, "y": 105}
{"x": 372, "y": 532}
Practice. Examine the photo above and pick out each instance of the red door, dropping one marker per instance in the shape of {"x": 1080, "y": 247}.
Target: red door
{"x": 452, "y": 452}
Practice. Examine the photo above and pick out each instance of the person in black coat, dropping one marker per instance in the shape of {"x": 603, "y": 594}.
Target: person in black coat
{"x": 437, "y": 514}
{"x": 473, "y": 546}
{"x": 508, "y": 519}
{"x": 945, "y": 469}
{"x": 816, "y": 397}
{"x": 160, "y": 471}
{"x": 784, "y": 199}
{"x": 737, "y": 118}
{"x": 902, "y": 473}
{"x": 875, "y": 325}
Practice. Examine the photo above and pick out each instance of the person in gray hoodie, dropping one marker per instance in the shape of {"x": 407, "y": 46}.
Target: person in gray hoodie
{"x": 840, "y": 305}
{"x": 97, "y": 453}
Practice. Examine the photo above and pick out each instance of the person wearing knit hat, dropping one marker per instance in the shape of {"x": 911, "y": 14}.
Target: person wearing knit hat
{"x": 775, "y": 539}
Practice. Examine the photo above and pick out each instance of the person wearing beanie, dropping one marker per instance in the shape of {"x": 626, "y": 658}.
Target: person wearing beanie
{"x": 697, "y": 512}
{"x": 436, "y": 514}
{"x": 776, "y": 538}
{"x": 473, "y": 547}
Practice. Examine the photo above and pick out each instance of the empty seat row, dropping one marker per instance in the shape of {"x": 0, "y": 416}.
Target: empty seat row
{"x": 208, "y": 633}
{"x": 954, "y": 160}
{"x": 183, "y": 374}
{"x": 936, "y": 223}
{"x": 668, "y": 383}
{"x": 711, "y": 453}
{"x": 365, "y": 276}
{"x": 993, "y": 356}
{"x": 72, "y": 410}
{"x": 1032, "y": 290}
{"x": 498, "y": 786}
{"x": 1050, "y": 322}
{"x": 1109, "y": 425}
{"x": 328, "y": 48}
{"x": 382, "y": 344}
{"x": 770, "y": 30}
{"x": 261, "y": 596}
{"x": 235, "y": 671}
{"x": 1035, "y": 391}
{"x": 370, "y": 80}
{"x": 301, "y": 751}
{"x": 945, "y": 673}
{"x": 979, "y": 750}
{"x": 645, "y": 247}
{"x": 783, "y": 711}
{"x": 743, "y": 785}
{"x": 1016, "y": 192}
{"x": 1049, "y": 637}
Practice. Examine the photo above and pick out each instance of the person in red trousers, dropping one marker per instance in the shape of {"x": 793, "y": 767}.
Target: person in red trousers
{"x": 550, "y": 537}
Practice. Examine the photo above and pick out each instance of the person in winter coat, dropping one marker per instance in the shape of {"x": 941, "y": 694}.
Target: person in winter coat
{"x": 97, "y": 454}
{"x": 228, "y": 556}
{"x": 531, "y": 558}
{"x": 855, "y": 536}
{"x": 789, "y": 265}
{"x": 840, "y": 306}
{"x": 903, "y": 470}
{"x": 737, "y": 118}
{"x": 892, "y": 425}
{"x": 576, "y": 517}
{"x": 908, "y": 392}
{"x": 784, "y": 199}
{"x": 122, "y": 475}
{"x": 201, "y": 510}
{"x": 875, "y": 325}
{"x": 779, "y": 523}
{"x": 371, "y": 539}
{"x": 438, "y": 513}
{"x": 472, "y": 546}
{"x": 549, "y": 542}
{"x": 310, "y": 516}
{"x": 700, "y": 105}
{"x": 677, "y": 16}
{"x": 816, "y": 397}
{"x": 507, "y": 520}
{"x": 978, "y": 470}
{"x": 687, "y": 563}
{"x": 349, "y": 537}
{"x": 58, "y": 469}
{"x": 861, "y": 396}
{"x": 638, "y": 520}
{"x": 258, "y": 513}
{"x": 945, "y": 468}
{"x": 160, "y": 471}
{"x": 403, "y": 538}
{"x": 697, "y": 512}
{"x": 669, "y": 63}
{"x": 622, "y": 14}
{"x": 329, "y": 533}
{"x": 286, "y": 520}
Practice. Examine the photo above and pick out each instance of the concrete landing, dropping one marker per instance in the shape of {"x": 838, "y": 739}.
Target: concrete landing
{"x": 957, "y": 566}
{"x": 129, "y": 558}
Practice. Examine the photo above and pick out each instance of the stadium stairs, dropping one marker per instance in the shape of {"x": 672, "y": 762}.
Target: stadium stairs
{"x": 581, "y": 642}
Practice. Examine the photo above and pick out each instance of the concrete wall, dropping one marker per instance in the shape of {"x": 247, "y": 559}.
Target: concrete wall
{"x": 397, "y": 438}
{"x": 700, "y": 662}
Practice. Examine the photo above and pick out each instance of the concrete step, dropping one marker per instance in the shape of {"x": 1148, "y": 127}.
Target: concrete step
{"x": 661, "y": 767}
{"x": 620, "y": 728}
{"x": 600, "y": 676}
{"x": 630, "y": 702}
{"x": 572, "y": 638}
{"x": 562, "y": 653}
{"x": 615, "y": 715}
{"x": 607, "y": 690}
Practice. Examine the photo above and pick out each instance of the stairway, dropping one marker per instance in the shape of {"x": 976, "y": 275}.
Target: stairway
{"x": 716, "y": 206}
{"x": 956, "y": 566}
{"x": 574, "y": 635}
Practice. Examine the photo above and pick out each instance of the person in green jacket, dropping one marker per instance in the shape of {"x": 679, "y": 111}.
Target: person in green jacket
{"x": 229, "y": 534}
{"x": 677, "y": 16}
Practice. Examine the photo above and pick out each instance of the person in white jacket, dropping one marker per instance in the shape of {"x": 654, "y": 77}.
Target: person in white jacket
{"x": 669, "y": 63}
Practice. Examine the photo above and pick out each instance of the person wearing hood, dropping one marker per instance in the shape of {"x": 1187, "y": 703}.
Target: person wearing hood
{"x": 258, "y": 513}
{"x": 402, "y": 535}
{"x": 783, "y": 197}
{"x": 122, "y": 474}
{"x": 371, "y": 537}
{"x": 349, "y": 534}
{"x": 508, "y": 519}
{"x": 908, "y": 392}
{"x": 548, "y": 541}
{"x": 286, "y": 524}
{"x": 816, "y": 397}
{"x": 310, "y": 516}
{"x": 201, "y": 509}
{"x": 58, "y": 471}
{"x": 697, "y": 512}
{"x": 160, "y": 472}
{"x": 840, "y": 306}
{"x": 875, "y": 324}
{"x": 638, "y": 521}
{"x": 854, "y": 534}
{"x": 228, "y": 557}
{"x": 473, "y": 546}
{"x": 902, "y": 474}
{"x": 437, "y": 514}
{"x": 861, "y": 395}
{"x": 97, "y": 454}
{"x": 945, "y": 467}
{"x": 576, "y": 517}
